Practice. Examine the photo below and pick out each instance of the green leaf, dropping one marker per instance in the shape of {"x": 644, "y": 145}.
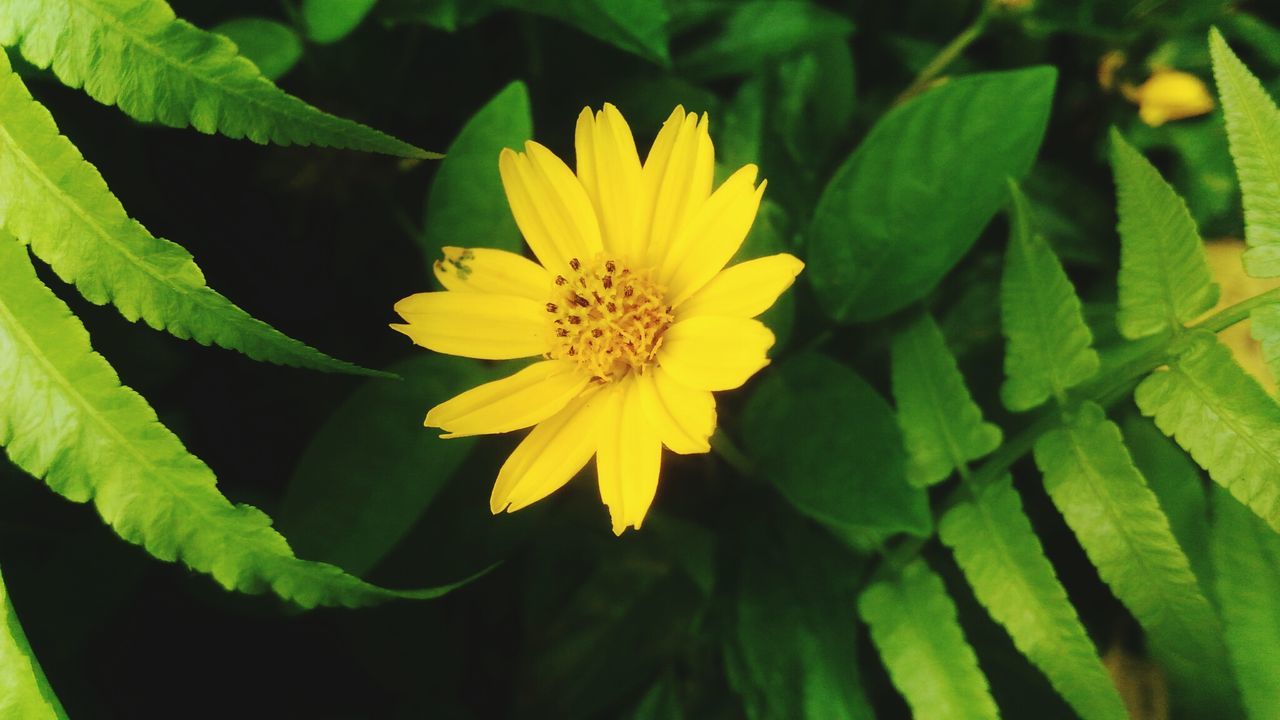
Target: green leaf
{"x": 915, "y": 195}
{"x": 24, "y": 691}
{"x": 1265, "y": 328}
{"x": 757, "y": 32}
{"x": 1116, "y": 517}
{"x": 914, "y": 626}
{"x": 941, "y": 425}
{"x": 1221, "y": 416}
{"x": 1002, "y": 559}
{"x": 157, "y": 68}
{"x": 372, "y": 469}
{"x": 815, "y": 102}
{"x": 1253, "y": 129}
{"x": 831, "y": 446}
{"x": 467, "y": 206}
{"x": 72, "y": 423}
{"x": 55, "y": 201}
{"x": 328, "y": 21}
{"x": 273, "y": 47}
{"x": 1246, "y": 557}
{"x": 1164, "y": 275}
{"x": 1050, "y": 349}
{"x": 637, "y": 26}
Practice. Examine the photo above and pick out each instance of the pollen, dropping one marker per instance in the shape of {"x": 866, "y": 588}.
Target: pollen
{"x": 607, "y": 318}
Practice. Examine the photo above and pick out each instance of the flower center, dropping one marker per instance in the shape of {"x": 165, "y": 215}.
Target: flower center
{"x": 608, "y": 318}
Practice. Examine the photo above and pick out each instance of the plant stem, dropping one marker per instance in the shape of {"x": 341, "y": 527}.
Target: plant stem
{"x": 945, "y": 56}
{"x": 730, "y": 453}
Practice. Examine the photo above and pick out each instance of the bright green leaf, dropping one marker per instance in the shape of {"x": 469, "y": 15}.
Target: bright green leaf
{"x": 1223, "y": 418}
{"x": 272, "y": 46}
{"x": 914, "y": 626}
{"x": 1253, "y": 129}
{"x": 1246, "y": 557}
{"x": 372, "y": 468}
{"x": 1050, "y": 349}
{"x": 55, "y": 201}
{"x": 467, "y": 205}
{"x": 328, "y": 21}
{"x": 637, "y": 26}
{"x": 915, "y": 195}
{"x": 1116, "y": 517}
{"x": 756, "y": 33}
{"x": 830, "y": 444}
{"x": 24, "y": 692}
{"x": 1265, "y": 328}
{"x": 1002, "y": 559}
{"x": 71, "y": 422}
{"x": 1164, "y": 275}
{"x": 941, "y": 425}
{"x": 157, "y": 68}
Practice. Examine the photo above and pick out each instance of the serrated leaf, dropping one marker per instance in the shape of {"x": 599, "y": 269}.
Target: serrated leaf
{"x": 637, "y": 26}
{"x": 67, "y": 419}
{"x": 1246, "y": 557}
{"x": 1001, "y": 557}
{"x": 272, "y": 46}
{"x": 830, "y": 444}
{"x": 56, "y": 202}
{"x": 915, "y": 195}
{"x": 1164, "y": 275}
{"x": 136, "y": 55}
{"x": 1105, "y": 500}
{"x": 1050, "y": 348}
{"x": 1265, "y": 328}
{"x": 24, "y": 691}
{"x": 942, "y": 427}
{"x": 1221, "y": 416}
{"x": 328, "y": 21}
{"x": 914, "y": 625}
{"x": 1253, "y": 132}
{"x": 466, "y": 205}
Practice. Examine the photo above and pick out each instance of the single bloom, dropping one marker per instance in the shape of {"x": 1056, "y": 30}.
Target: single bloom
{"x": 630, "y": 307}
{"x": 1170, "y": 95}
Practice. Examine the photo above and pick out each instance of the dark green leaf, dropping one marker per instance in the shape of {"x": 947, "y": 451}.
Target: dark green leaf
{"x": 637, "y": 26}
{"x": 757, "y": 32}
{"x": 273, "y": 47}
{"x": 328, "y": 21}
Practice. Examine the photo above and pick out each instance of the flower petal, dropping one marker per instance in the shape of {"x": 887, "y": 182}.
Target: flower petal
{"x": 492, "y": 271}
{"x": 711, "y": 236}
{"x": 549, "y": 456}
{"x": 744, "y": 290}
{"x": 518, "y": 401}
{"x": 628, "y": 456}
{"x": 476, "y": 325}
{"x": 683, "y": 417}
{"x": 550, "y": 206}
{"x": 609, "y": 169}
{"x": 715, "y": 353}
{"x": 678, "y": 172}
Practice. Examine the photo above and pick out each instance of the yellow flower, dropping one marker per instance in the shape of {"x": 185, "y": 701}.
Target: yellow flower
{"x": 630, "y": 307}
{"x": 1170, "y": 95}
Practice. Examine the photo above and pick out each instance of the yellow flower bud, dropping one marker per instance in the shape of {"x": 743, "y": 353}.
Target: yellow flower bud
{"x": 1170, "y": 95}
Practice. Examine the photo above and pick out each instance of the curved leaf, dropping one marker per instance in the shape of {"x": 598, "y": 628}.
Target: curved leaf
{"x": 66, "y": 418}
{"x": 328, "y": 21}
{"x": 55, "y": 201}
{"x": 24, "y": 691}
{"x": 914, "y": 626}
{"x": 637, "y": 26}
{"x": 1164, "y": 275}
{"x": 1050, "y": 348}
{"x": 272, "y": 46}
{"x": 1002, "y": 559}
{"x": 915, "y": 195}
{"x": 941, "y": 425}
{"x": 137, "y": 55}
{"x": 1221, "y": 416}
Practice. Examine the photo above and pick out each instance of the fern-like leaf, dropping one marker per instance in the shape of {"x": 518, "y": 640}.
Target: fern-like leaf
{"x": 1253, "y": 133}
{"x": 942, "y": 427}
{"x": 913, "y": 624}
{"x": 1164, "y": 274}
{"x": 1221, "y": 416}
{"x": 1265, "y": 328}
{"x": 1050, "y": 348}
{"x": 1246, "y": 558}
{"x": 1106, "y": 501}
{"x": 65, "y": 417}
{"x": 1002, "y": 559}
{"x": 52, "y": 199}
{"x": 24, "y": 691}
{"x": 155, "y": 67}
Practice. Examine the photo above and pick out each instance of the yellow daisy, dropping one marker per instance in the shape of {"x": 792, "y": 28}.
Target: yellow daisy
{"x": 630, "y": 307}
